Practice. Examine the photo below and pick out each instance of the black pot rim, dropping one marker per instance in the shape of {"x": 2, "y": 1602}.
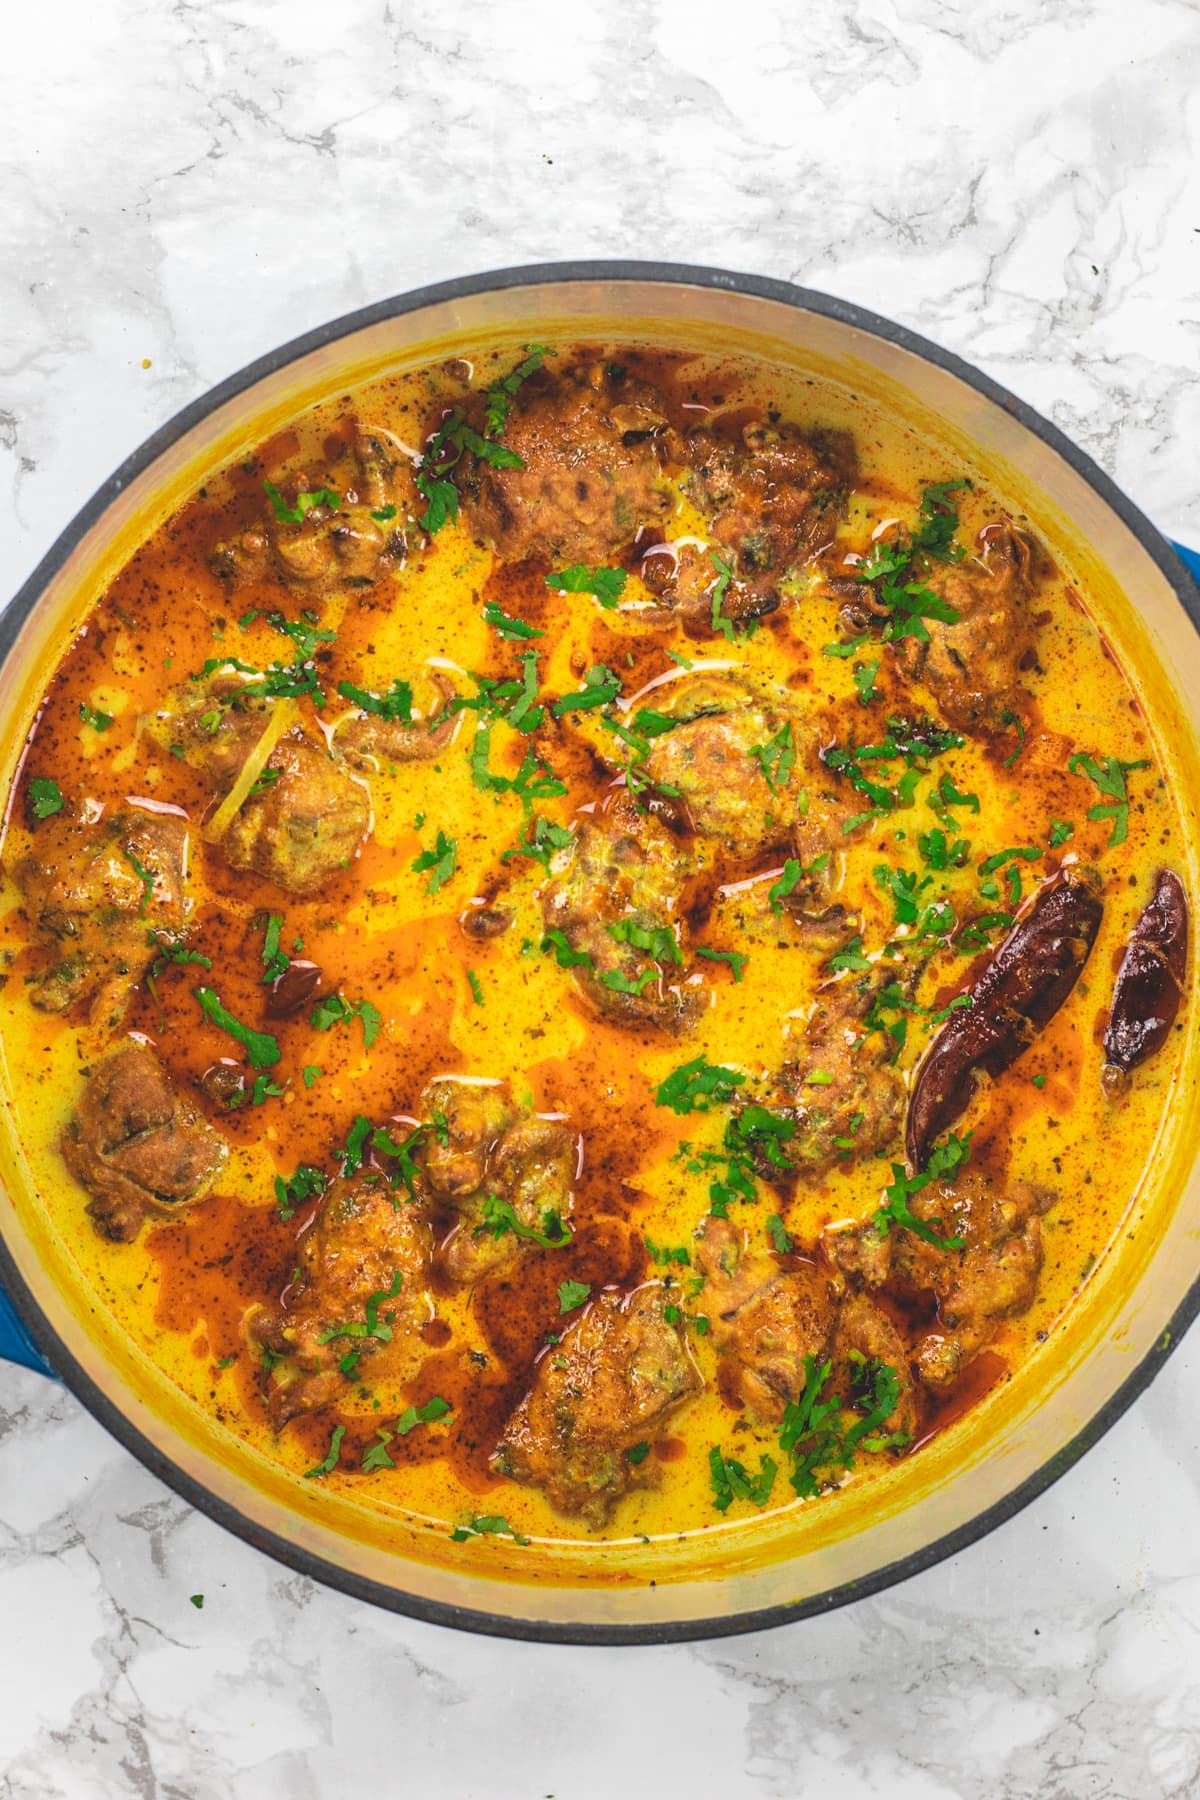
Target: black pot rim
{"x": 121, "y": 1427}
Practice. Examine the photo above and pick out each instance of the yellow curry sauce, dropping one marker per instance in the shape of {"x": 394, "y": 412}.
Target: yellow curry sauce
{"x": 896, "y": 917}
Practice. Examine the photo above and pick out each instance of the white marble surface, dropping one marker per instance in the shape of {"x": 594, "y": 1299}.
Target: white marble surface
{"x": 192, "y": 183}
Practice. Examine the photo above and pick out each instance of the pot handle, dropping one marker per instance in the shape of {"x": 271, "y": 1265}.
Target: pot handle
{"x": 1189, "y": 558}
{"x": 17, "y": 1346}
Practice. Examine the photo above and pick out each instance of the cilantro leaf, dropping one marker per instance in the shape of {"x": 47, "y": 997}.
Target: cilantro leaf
{"x": 732, "y": 1481}
{"x": 1108, "y": 774}
{"x": 697, "y": 1086}
{"x": 737, "y": 962}
{"x": 500, "y": 394}
{"x": 776, "y": 758}
{"x": 305, "y": 503}
{"x": 260, "y": 1046}
{"x": 45, "y": 797}
{"x": 778, "y": 1234}
{"x": 335, "y": 1009}
{"x": 491, "y": 1524}
{"x": 306, "y": 1184}
{"x": 498, "y": 1216}
{"x": 943, "y": 1161}
{"x": 394, "y": 703}
{"x": 600, "y": 688}
{"x": 607, "y": 585}
{"x": 505, "y": 625}
{"x": 330, "y": 1460}
{"x": 441, "y": 862}
{"x": 572, "y": 1294}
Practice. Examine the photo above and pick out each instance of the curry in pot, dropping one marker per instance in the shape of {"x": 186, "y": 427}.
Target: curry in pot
{"x": 594, "y": 943}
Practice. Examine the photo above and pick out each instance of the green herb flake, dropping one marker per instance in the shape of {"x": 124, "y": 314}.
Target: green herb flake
{"x": 600, "y": 688}
{"x": 731, "y": 1480}
{"x": 776, "y": 758}
{"x": 99, "y": 721}
{"x": 505, "y": 625}
{"x": 45, "y": 797}
{"x": 572, "y": 1294}
{"x": 441, "y": 863}
{"x": 329, "y": 1461}
{"x": 1108, "y": 774}
{"x": 305, "y": 503}
{"x": 394, "y": 702}
{"x": 737, "y": 962}
{"x": 697, "y": 1086}
{"x": 260, "y": 1046}
{"x": 606, "y": 585}
{"x": 944, "y": 1160}
{"x": 780, "y": 1238}
{"x": 497, "y": 1217}
{"x": 491, "y": 1525}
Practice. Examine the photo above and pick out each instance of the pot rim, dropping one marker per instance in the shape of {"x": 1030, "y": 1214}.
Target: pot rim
{"x": 121, "y": 1427}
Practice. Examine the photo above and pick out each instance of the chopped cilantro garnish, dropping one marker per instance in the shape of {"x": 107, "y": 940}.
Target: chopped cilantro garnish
{"x": 45, "y": 797}
{"x": 815, "y": 1432}
{"x": 394, "y": 703}
{"x": 944, "y": 1160}
{"x": 848, "y": 647}
{"x": 305, "y": 503}
{"x": 335, "y": 1009}
{"x": 607, "y": 585}
{"x": 356, "y": 1141}
{"x": 330, "y": 1460}
{"x": 600, "y": 688}
{"x": 260, "y": 1046}
{"x": 776, "y": 758}
{"x": 498, "y": 1216}
{"x": 505, "y": 625}
{"x": 144, "y": 875}
{"x": 659, "y": 942}
{"x": 500, "y": 393}
{"x": 99, "y": 721}
{"x": 491, "y": 1525}
{"x": 717, "y": 618}
{"x": 441, "y": 862}
{"x": 274, "y": 960}
{"x": 664, "y": 1255}
{"x": 304, "y": 1185}
{"x": 564, "y": 955}
{"x": 697, "y": 1086}
{"x": 572, "y": 1294}
{"x": 371, "y": 1326}
{"x": 737, "y": 962}
{"x": 476, "y": 989}
{"x": 732, "y": 1480}
{"x": 1108, "y": 773}
{"x": 541, "y": 839}
{"x": 850, "y": 956}
{"x": 779, "y": 1235}
{"x": 1060, "y": 831}
{"x": 864, "y": 681}
{"x": 303, "y": 632}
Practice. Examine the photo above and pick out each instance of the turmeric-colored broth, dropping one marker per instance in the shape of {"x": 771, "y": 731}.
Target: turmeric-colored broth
{"x": 502, "y": 1008}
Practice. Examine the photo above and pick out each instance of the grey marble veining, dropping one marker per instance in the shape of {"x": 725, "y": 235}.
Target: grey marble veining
{"x": 188, "y": 185}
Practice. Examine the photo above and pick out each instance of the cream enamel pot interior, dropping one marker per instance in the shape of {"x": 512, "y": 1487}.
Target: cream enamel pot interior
{"x": 1115, "y": 1339}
